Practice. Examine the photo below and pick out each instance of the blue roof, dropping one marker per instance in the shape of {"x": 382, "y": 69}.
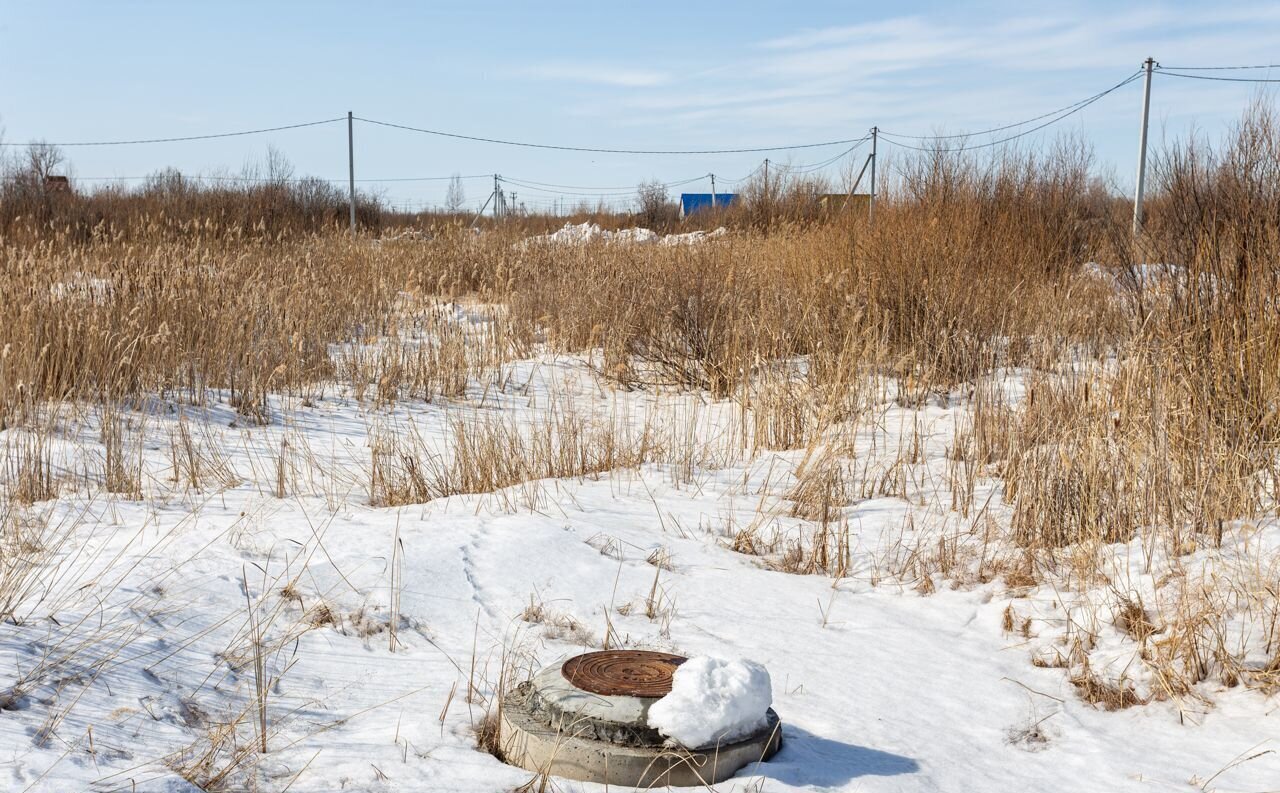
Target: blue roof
{"x": 696, "y": 202}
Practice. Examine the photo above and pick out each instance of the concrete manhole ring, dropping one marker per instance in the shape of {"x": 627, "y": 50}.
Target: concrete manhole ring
{"x": 587, "y": 718}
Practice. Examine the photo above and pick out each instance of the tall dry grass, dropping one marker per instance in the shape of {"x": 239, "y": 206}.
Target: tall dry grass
{"x": 262, "y": 199}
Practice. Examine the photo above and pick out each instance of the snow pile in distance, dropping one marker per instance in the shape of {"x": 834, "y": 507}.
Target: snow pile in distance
{"x": 692, "y": 237}
{"x": 413, "y": 235}
{"x": 575, "y": 235}
{"x": 83, "y": 287}
{"x": 634, "y": 235}
{"x": 590, "y": 232}
{"x": 713, "y": 701}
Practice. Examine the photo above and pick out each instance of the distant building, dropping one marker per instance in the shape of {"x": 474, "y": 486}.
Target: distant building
{"x": 697, "y": 202}
{"x": 57, "y": 184}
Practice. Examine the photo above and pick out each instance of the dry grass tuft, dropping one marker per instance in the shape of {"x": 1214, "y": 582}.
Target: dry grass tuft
{"x": 1111, "y": 696}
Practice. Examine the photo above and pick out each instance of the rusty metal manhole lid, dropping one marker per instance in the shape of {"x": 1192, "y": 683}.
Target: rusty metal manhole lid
{"x": 628, "y": 673}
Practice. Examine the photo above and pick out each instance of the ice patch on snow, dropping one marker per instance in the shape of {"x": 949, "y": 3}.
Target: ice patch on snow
{"x": 713, "y": 701}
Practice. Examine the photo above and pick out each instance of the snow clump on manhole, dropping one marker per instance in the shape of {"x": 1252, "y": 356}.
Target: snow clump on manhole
{"x": 713, "y": 701}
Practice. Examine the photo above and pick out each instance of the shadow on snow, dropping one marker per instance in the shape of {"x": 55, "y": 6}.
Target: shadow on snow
{"x": 807, "y": 759}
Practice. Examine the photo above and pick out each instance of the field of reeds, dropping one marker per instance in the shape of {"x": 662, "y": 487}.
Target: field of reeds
{"x": 1081, "y": 420}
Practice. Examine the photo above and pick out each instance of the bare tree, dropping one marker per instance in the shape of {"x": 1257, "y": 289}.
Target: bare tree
{"x": 279, "y": 169}
{"x": 657, "y": 210}
{"x": 42, "y": 159}
{"x": 168, "y": 181}
{"x": 455, "y": 196}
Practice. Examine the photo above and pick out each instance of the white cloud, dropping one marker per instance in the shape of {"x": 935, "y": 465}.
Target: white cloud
{"x": 1023, "y": 43}
{"x": 927, "y": 74}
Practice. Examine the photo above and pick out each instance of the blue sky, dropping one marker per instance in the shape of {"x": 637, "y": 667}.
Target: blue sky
{"x": 654, "y": 75}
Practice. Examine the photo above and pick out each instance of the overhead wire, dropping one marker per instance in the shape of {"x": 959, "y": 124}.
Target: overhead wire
{"x": 589, "y": 194}
{"x": 421, "y": 178}
{"x": 597, "y": 150}
{"x": 810, "y": 168}
{"x": 740, "y": 179}
{"x": 624, "y": 191}
{"x": 556, "y": 187}
{"x": 1171, "y": 73}
{"x": 889, "y": 137}
{"x": 178, "y": 139}
{"x": 1065, "y": 111}
{"x": 1219, "y": 68}
{"x": 892, "y": 138}
{"x": 269, "y": 179}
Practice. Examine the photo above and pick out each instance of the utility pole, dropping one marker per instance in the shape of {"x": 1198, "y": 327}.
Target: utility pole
{"x": 713, "y": 190}
{"x": 351, "y": 169}
{"x": 1142, "y": 148}
{"x": 497, "y": 198}
{"x": 768, "y": 191}
{"x": 871, "y": 212}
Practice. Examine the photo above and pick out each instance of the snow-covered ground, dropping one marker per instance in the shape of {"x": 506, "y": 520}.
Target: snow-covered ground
{"x": 383, "y": 630}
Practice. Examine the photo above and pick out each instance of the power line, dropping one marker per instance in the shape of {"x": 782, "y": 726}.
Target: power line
{"x": 740, "y": 179}
{"x": 1074, "y": 109}
{"x": 595, "y": 150}
{"x": 804, "y": 168}
{"x": 1177, "y": 71}
{"x": 1218, "y": 68}
{"x": 1169, "y": 73}
{"x": 1067, "y": 110}
{"x": 529, "y": 183}
{"x": 1048, "y": 119}
{"x": 819, "y": 166}
{"x": 421, "y": 178}
{"x": 261, "y": 179}
{"x": 176, "y": 140}
{"x": 596, "y": 194}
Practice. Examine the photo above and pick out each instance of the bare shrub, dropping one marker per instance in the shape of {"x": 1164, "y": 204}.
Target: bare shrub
{"x": 656, "y": 209}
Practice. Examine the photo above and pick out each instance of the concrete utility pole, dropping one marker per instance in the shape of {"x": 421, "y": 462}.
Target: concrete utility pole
{"x": 713, "y": 190}
{"x": 497, "y": 197}
{"x": 351, "y": 170}
{"x": 871, "y": 205}
{"x": 1148, "y": 64}
{"x": 768, "y": 192}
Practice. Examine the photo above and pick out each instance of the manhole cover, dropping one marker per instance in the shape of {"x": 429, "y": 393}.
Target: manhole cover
{"x": 625, "y": 673}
